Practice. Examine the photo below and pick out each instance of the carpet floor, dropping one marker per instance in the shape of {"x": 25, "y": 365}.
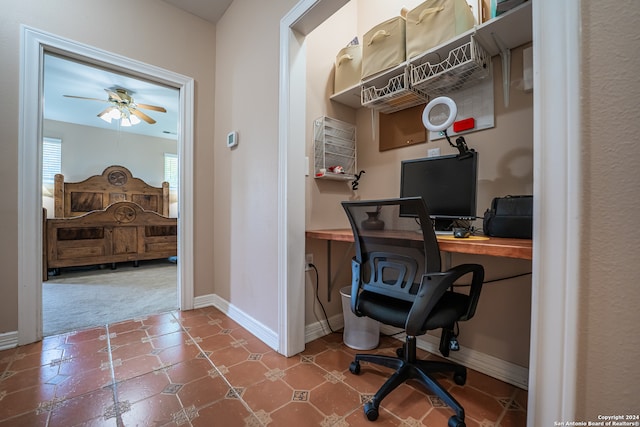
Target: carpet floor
{"x": 82, "y": 298}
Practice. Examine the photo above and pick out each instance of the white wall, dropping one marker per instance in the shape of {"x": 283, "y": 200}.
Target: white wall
{"x": 87, "y": 151}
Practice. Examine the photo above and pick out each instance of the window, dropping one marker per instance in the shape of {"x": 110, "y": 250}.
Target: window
{"x": 171, "y": 170}
{"x": 51, "y": 159}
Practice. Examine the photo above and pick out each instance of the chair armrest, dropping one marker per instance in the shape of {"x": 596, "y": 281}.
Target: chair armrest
{"x": 432, "y": 288}
{"x": 355, "y": 285}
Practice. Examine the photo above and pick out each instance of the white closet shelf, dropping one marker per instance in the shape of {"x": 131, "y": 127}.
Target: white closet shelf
{"x": 497, "y": 36}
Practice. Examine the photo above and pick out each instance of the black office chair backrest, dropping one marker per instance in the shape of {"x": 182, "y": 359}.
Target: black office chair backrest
{"x": 395, "y": 246}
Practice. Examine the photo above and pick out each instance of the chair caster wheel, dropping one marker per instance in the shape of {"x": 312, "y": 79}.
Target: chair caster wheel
{"x": 354, "y": 368}
{"x": 456, "y": 422}
{"x": 460, "y": 377}
{"x": 400, "y": 352}
{"x": 371, "y": 411}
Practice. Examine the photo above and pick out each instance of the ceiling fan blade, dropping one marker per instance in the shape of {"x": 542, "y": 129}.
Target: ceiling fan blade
{"x": 143, "y": 116}
{"x": 151, "y": 107}
{"x": 82, "y": 97}
{"x": 105, "y": 111}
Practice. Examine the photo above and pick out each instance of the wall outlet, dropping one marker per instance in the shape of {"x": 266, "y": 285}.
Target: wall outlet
{"x": 308, "y": 260}
{"x": 433, "y": 152}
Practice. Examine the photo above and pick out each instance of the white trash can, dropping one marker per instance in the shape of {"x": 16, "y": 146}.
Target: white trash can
{"x": 360, "y": 333}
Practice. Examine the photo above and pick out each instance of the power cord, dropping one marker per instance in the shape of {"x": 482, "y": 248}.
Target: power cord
{"x": 318, "y": 298}
{"x": 496, "y": 280}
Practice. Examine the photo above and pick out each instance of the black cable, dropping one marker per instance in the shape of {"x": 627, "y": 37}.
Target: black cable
{"x": 508, "y": 278}
{"x": 496, "y": 280}
{"x": 318, "y": 298}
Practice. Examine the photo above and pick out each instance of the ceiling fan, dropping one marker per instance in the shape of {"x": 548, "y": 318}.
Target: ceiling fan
{"x": 123, "y": 108}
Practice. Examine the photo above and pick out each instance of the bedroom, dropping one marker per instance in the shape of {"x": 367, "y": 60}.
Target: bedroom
{"x": 85, "y": 278}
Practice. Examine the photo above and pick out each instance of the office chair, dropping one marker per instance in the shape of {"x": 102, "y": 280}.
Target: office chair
{"x": 397, "y": 280}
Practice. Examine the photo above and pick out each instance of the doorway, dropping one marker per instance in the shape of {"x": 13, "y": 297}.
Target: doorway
{"x": 35, "y": 45}
{"x": 82, "y": 139}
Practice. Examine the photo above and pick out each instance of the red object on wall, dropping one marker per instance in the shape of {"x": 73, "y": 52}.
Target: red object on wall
{"x": 466, "y": 124}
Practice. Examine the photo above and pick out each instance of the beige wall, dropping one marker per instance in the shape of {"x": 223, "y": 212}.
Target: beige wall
{"x": 164, "y": 37}
{"x": 609, "y": 342}
{"x": 501, "y": 326}
{"x": 245, "y": 248}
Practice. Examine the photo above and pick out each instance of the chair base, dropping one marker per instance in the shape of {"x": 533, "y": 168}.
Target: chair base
{"x": 406, "y": 367}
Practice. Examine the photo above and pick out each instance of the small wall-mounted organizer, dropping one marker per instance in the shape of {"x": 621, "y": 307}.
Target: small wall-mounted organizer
{"x": 334, "y": 147}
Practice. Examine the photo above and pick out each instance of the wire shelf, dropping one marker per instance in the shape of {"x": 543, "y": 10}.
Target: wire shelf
{"x": 464, "y": 66}
{"x": 397, "y": 95}
{"x": 334, "y": 145}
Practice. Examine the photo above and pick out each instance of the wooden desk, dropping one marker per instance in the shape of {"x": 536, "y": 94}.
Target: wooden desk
{"x": 493, "y": 246}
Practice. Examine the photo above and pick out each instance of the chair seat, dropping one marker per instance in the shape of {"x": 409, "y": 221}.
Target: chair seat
{"x": 394, "y": 312}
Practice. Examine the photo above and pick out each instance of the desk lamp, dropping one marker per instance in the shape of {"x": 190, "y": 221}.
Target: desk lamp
{"x": 460, "y": 144}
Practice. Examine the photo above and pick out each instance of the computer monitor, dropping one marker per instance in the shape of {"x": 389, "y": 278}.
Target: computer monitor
{"x": 448, "y": 185}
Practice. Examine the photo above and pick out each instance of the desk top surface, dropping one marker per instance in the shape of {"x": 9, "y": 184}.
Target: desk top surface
{"x": 493, "y": 246}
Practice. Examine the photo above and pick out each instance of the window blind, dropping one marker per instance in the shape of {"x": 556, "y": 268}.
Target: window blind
{"x": 51, "y": 159}
{"x": 171, "y": 169}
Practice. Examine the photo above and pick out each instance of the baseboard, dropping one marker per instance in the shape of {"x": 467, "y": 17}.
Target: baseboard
{"x": 204, "y": 301}
{"x": 319, "y": 329}
{"x": 8, "y": 340}
{"x": 481, "y": 362}
{"x": 258, "y": 329}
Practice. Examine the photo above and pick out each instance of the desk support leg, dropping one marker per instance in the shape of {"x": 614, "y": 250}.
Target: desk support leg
{"x": 446, "y": 260}
{"x": 341, "y": 264}
{"x": 329, "y": 278}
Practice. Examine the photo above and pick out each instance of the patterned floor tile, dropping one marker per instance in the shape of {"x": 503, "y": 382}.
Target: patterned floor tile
{"x": 200, "y": 368}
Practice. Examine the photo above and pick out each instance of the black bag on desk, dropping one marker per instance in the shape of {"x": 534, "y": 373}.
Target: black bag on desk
{"x": 510, "y": 216}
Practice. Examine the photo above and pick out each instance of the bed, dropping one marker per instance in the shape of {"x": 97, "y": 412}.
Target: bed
{"x": 105, "y": 219}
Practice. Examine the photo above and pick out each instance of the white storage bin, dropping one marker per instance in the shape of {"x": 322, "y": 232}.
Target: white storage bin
{"x": 434, "y": 22}
{"x": 360, "y": 333}
{"x": 383, "y": 46}
{"x": 348, "y": 68}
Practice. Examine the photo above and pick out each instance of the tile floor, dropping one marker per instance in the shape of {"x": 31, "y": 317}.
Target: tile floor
{"x": 200, "y": 368}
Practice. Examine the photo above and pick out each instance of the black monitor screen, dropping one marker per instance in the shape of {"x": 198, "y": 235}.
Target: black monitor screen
{"x": 448, "y": 185}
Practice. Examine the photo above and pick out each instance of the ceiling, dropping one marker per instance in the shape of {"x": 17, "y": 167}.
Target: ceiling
{"x": 209, "y": 10}
{"x": 64, "y": 76}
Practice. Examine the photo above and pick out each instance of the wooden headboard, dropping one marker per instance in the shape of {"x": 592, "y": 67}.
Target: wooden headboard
{"x": 116, "y": 184}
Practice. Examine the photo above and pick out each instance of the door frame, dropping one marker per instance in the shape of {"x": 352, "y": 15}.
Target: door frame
{"x": 34, "y": 43}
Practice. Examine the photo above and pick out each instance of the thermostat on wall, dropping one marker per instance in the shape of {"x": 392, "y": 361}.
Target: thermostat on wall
{"x": 232, "y": 139}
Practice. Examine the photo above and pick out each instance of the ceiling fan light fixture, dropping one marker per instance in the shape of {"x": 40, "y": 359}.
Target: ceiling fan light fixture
{"x": 108, "y": 114}
{"x": 122, "y": 107}
{"x": 134, "y": 120}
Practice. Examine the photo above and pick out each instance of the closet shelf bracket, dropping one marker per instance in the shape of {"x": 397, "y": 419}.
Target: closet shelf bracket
{"x": 505, "y": 58}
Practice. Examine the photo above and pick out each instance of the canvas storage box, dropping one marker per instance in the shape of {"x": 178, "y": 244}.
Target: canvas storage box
{"x": 434, "y": 22}
{"x": 348, "y": 68}
{"x": 383, "y": 46}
